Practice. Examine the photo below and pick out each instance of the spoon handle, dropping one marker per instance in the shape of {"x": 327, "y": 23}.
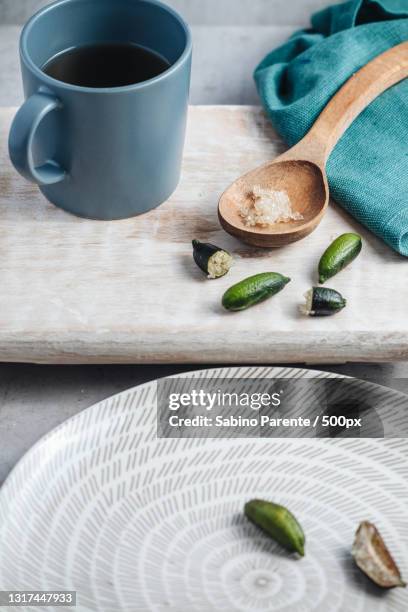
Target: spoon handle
{"x": 353, "y": 97}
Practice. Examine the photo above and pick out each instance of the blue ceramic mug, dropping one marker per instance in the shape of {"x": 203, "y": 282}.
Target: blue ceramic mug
{"x": 103, "y": 153}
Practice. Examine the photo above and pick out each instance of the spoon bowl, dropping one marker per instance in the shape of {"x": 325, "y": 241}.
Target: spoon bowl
{"x": 301, "y": 172}
{"x": 306, "y": 186}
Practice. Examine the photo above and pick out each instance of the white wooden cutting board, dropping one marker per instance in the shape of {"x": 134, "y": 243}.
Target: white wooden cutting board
{"x": 79, "y": 291}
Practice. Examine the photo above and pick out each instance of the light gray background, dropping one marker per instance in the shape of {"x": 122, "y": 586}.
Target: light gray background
{"x": 230, "y": 37}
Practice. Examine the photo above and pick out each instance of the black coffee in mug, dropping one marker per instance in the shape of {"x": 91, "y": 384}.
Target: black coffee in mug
{"x": 106, "y": 65}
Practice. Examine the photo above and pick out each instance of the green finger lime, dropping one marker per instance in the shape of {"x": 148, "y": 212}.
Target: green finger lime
{"x": 277, "y": 522}
{"x": 253, "y": 290}
{"x": 338, "y": 255}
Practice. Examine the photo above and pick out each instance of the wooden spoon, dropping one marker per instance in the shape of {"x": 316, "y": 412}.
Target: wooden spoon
{"x": 300, "y": 172}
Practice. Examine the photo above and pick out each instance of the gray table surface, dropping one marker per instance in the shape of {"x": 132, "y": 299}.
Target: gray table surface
{"x": 230, "y": 37}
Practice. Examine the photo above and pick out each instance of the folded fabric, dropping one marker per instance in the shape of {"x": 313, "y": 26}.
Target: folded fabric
{"x": 368, "y": 169}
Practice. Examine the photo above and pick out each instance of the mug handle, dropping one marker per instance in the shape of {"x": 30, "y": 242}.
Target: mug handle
{"x": 21, "y": 137}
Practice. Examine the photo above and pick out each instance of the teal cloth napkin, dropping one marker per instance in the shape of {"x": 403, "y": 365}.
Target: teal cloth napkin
{"x": 368, "y": 169}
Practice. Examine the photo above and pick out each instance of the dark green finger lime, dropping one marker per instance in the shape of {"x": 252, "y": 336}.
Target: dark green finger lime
{"x": 253, "y": 290}
{"x": 323, "y": 302}
{"x": 212, "y": 260}
{"x": 338, "y": 255}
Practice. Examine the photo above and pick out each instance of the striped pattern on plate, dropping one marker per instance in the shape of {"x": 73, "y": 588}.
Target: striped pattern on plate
{"x": 130, "y": 522}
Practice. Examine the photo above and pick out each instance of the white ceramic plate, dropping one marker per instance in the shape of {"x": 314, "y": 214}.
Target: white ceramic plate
{"x": 131, "y": 523}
